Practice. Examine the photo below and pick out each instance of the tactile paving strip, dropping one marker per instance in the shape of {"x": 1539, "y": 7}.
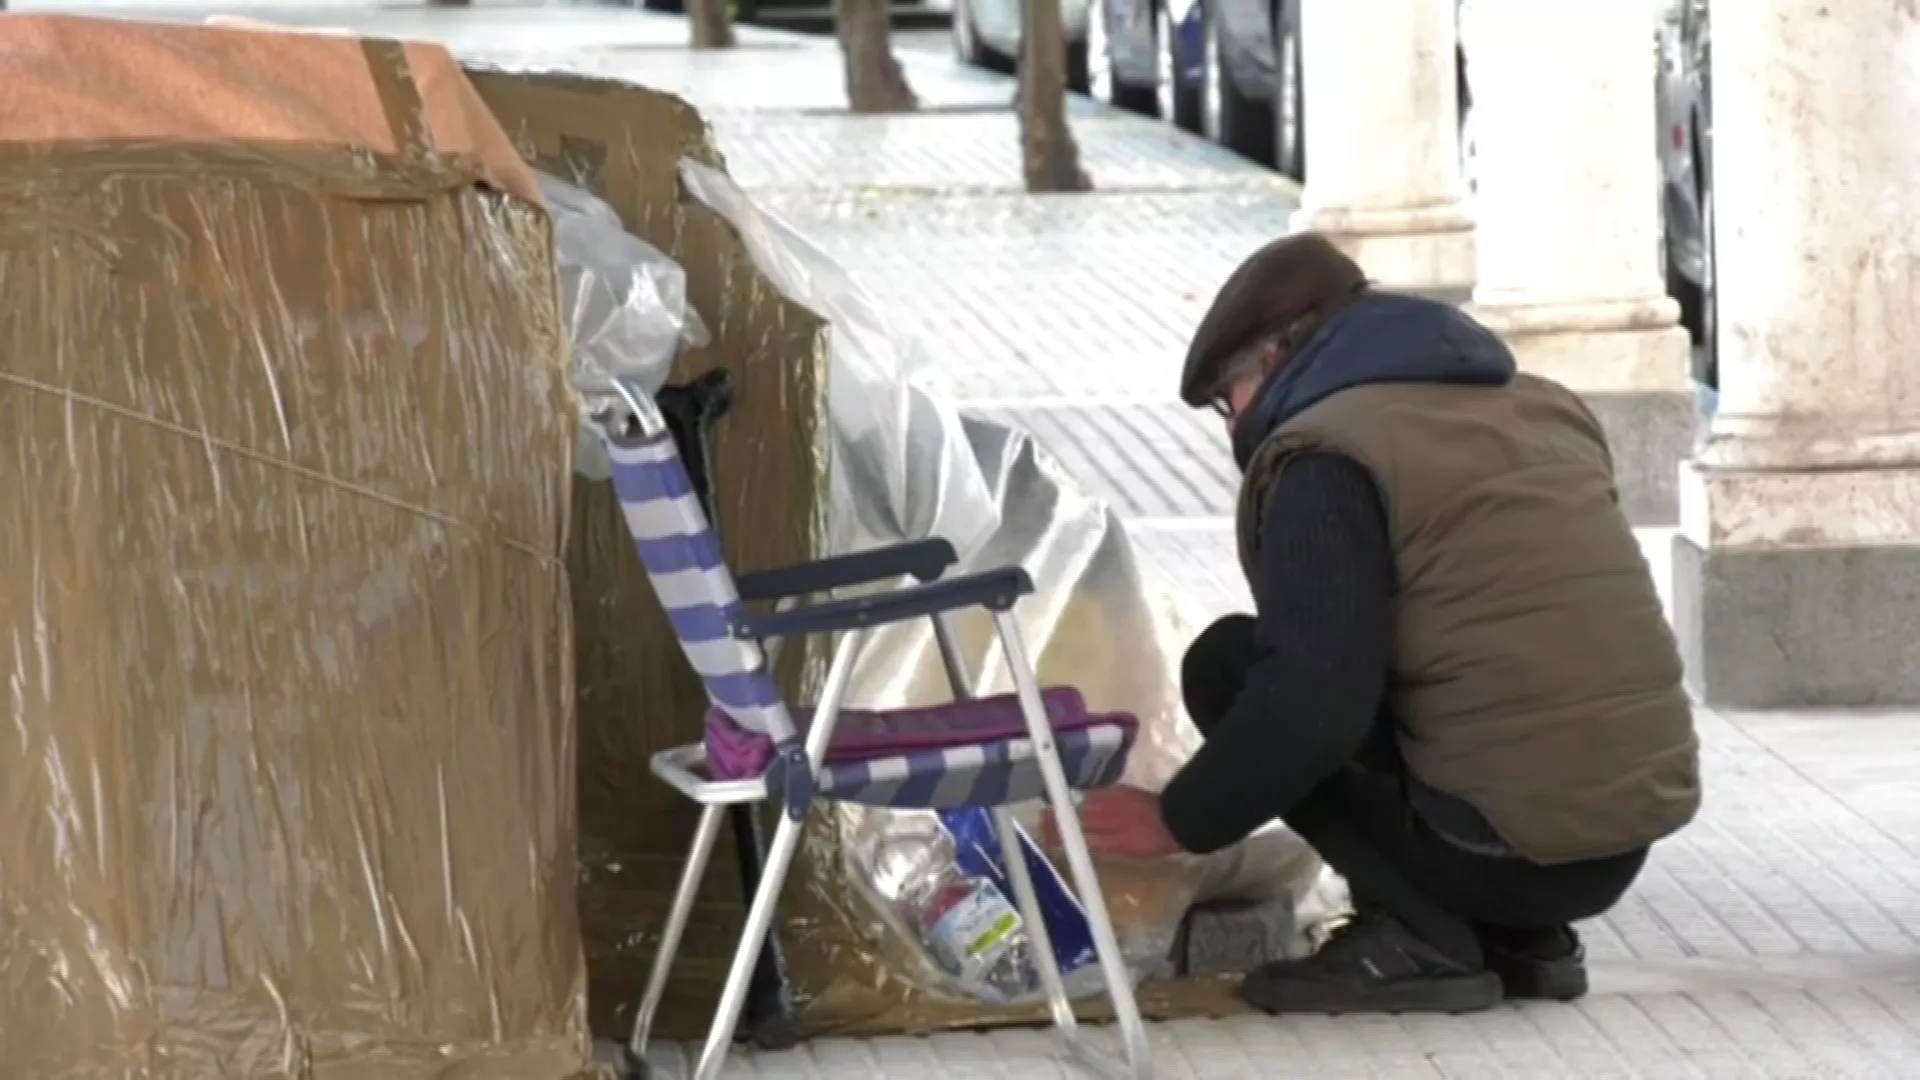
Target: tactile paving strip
{"x": 968, "y": 151}
{"x": 1060, "y": 296}
{"x": 802, "y": 79}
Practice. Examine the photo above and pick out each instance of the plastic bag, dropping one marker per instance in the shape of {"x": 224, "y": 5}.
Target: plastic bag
{"x": 625, "y": 303}
{"x": 901, "y": 465}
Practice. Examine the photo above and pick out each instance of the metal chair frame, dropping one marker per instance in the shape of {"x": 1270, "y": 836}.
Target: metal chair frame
{"x": 797, "y": 766}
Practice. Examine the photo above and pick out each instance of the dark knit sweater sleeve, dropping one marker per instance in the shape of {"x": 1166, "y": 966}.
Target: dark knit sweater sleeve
{"x": 1323, "y": 608}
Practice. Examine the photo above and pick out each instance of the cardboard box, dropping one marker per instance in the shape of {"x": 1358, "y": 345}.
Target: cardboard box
{"x": 289, "y": 755}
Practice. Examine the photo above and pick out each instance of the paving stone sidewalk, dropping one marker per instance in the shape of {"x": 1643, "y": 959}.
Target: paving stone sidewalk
{"x": 1778, "y": 937}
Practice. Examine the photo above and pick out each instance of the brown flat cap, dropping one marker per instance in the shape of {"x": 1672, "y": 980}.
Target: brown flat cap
{"x": 1292, "y": 278}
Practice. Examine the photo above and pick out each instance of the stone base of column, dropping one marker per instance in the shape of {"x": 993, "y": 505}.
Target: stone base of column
{"x": 1650, "y": 433}
{"x": 1631, "y": 365}
{"x": 1798, "y": 628}
{"x": 1428, "y": 250}
{"x": 1798, "y": 587}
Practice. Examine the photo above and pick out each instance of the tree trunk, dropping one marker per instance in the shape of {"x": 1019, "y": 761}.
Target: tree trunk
{"x": 875, "y": 81}
{"x": 1048, "y": 155}
{"x": 712, "y": 24}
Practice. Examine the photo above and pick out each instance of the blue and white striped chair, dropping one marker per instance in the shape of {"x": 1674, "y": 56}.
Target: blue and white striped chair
{"x": 994, "y": 751}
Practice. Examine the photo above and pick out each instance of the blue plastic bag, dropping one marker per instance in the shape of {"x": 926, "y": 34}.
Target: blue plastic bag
{"x": 977, "y": 850}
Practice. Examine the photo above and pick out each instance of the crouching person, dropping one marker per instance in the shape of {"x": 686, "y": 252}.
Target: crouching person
{"x": 1457, "y": 683}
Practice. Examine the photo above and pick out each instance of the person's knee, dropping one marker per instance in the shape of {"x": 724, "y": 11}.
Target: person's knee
{"x": 1215, "y": 668}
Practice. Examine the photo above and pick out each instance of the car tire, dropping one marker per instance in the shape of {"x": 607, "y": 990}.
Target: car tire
{"x": 1182, "y": 101}
{"x": 1238, "y": 122}
{"x": 1709, "y": 291}
{"x": 968, "y": 46}
{"x": 1289, "y": 88}
{"x": 1691, "y": 297}
{"x": 1114, "y": 91}
{"x": 1079, "y": 68}
{"x": 1135, "y": 99}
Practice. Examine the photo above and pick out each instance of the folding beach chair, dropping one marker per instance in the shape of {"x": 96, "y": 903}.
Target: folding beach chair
{"x": 691, "y": 410}
{"x": 987, "y": 752}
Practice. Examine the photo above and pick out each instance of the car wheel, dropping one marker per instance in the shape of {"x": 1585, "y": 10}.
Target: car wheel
{"x": 1691, "y": 298}
{"x": 1182, "y": 100}
{"x": 1107, "y": 82}
{"x": 968, "y": 46}
{"x": 1228, "y": 117}
{"x": 1289, "y": 105}
{"x": 1079, "y": 67}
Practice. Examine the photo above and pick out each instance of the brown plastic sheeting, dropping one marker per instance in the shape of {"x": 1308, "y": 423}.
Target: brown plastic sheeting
{"x": 289, "y": 763}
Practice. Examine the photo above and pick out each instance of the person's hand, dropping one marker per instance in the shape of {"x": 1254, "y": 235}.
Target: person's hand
{"x": 1120, "y": 821}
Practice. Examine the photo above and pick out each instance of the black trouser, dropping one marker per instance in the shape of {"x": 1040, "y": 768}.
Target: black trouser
{"x": 1364, "y": 823}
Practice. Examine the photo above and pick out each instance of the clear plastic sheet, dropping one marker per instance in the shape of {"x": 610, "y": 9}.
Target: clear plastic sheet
{"x": 900, "y": 465}
{"x": 625, "y": 303}
{"x": 906, "y": 464}
{"x": 289, "y": 777}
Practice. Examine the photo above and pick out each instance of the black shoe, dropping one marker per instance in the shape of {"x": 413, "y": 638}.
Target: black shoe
{"x": 1373, "y": 964}
{"x": 1537, "y": 965}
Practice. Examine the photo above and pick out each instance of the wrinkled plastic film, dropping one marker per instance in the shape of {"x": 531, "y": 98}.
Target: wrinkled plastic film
{"x": 907, "y": 464}
{"x": 289, "y": 774}
{"x": 900, "y": 464}
{"x": 625, "y": 304}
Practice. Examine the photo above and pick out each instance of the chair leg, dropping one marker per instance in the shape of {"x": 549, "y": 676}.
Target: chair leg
{"x": 704, "y": 836}
{"x": 1086, "y": 883}
{"x": 733, "y": 996}
{"x": 1025, "y": 895}
{"x": 772, "y": 1023}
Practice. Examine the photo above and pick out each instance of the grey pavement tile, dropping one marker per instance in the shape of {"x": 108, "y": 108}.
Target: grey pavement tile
{"x": 1161, "y": 461}
{"x": 968, "y": 151}
{"x": 1869, "y": 760}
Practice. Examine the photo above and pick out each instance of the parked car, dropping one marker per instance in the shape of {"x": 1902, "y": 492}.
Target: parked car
{"x": 986, "y": 33}
{"x": 1228, "y": 70}
{"x": 1686, "y": 138}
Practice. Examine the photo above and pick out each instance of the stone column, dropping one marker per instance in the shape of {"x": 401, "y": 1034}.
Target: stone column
{"x": 1797, "y": 570}
{"x": 1568, "y": 183}
{"x": 1383, "y": 148}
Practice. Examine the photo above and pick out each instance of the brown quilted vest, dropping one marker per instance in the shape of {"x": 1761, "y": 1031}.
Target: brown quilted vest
{"x": 1534, "y": 675}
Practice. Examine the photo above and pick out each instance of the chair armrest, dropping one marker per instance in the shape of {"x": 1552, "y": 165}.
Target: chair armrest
{"x": 994, "y": 589}
{"x": 925, "y": 560}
